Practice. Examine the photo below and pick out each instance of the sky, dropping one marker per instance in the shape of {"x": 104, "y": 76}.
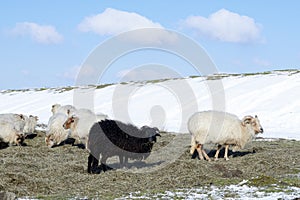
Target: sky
{"x": 46, "y": 43}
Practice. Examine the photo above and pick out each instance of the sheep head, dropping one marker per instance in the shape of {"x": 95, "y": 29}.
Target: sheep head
{"x": 53, "y": 140}
{"x": 55, "y": 107}
{"x": 151, "y": 133}
{"x": 21, "y": 116}
{"x": 253, "y": 122}
{"x": 70, "y": 122}
{"x": 36, "y": 118}
{"x": 19, "y": 139}
{"x": 50, "y": 140}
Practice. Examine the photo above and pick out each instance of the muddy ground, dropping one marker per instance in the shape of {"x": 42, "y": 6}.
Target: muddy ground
{"x": 61, "y": 172}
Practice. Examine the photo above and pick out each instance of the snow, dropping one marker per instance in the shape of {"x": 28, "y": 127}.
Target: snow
{"x": 275, "y": 98}
{"x": 237, "y": 192}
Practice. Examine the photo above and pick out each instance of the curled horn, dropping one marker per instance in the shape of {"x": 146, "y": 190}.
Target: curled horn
{"x": 246, "y": 120}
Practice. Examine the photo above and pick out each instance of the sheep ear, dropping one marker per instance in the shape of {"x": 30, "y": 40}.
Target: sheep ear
{"x": 22, "y": 116}
{"x": 73, "y": 118}
{"x": 246, "y": 120}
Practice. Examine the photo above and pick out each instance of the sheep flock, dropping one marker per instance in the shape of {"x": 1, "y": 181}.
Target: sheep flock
{"x": 103, "y": 137}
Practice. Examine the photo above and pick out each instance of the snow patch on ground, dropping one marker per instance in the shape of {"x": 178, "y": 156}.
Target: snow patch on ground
{"x": 234, "y": 192}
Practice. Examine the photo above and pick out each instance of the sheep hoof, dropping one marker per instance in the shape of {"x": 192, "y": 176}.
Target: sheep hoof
{"x": 216, "y": 159}
{"x": 226, "y": 159}
{"x": 105, "y": 167}
{"x": 95, "y": 170}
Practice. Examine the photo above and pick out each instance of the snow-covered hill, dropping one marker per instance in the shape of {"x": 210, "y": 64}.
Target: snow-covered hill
{"x": 274, "y": 97}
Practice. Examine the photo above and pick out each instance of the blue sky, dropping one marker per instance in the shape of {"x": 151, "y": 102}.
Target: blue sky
{"x": 44, "y": 43}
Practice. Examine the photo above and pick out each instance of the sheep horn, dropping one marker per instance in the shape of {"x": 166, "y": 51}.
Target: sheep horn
{"x": 246, "y": 120}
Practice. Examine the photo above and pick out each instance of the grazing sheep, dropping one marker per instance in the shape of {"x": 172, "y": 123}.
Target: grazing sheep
{"x": 55, "y": 133}
{"x": 113, "y": 138}
{"x": 18, "y": 120}
{"x": 9, "y": 134}
{"x": 80, "y": 124}
{"x": 223, "y": 129}
{"x": 66, "y": 109}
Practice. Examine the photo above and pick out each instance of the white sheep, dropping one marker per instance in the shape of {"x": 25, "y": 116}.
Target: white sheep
{"x": 18, "y": 120}
{"x": 55, "y": 132}
{"x": 66, "y": 109}
{"x": 9, "y": 134}
{"x": 81, "y": 122}
{"x": 222, "y": 129}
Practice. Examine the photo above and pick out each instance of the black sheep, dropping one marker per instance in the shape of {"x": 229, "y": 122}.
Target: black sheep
{"x": 114, "y": 138}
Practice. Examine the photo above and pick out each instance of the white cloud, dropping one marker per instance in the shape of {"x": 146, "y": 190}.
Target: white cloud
{"x": 226, "y": 26}
{"x": 113, "y": 21}
{"x": 44, "y": 34}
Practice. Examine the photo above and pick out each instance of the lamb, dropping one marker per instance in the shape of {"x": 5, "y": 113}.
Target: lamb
{"x": 114, "y": 138}
{"x": 66, "y": 109}
{"x": 9, "y": 134}
{"x": 80, "y": 124}
{"x": 223, "y": 129}
{"x": 55, "y": 133}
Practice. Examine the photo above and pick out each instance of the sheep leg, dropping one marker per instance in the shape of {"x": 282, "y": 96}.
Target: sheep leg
{"x": 193, "y": 146}
{"x": 205, "y": 155}
{"x": 93, "y": 165}
{"x": 199, "y": 150}
{"x": 126, "y": 160}
{"x": 226, "y": 152}
{"x": 90, "y": 160}
{"x": 202, "y": 153}
{"x": 103, "y": 166}
{"x": 103, "y": 159}
{"x": 121, "y": 159}
{"x": 218, "y": 151}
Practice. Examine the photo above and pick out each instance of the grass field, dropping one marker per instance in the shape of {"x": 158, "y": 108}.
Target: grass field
{"x": 61, "y": 173}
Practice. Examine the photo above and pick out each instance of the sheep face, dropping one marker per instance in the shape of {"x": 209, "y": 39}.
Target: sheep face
{"x": 19, "y": 139}
{"x": 151, "y": 133}
{"x": 53, "y": 140}
{"x": 254, "y": 123}
{"x": 50, "y": 140}
{"x": 70, "y": 122}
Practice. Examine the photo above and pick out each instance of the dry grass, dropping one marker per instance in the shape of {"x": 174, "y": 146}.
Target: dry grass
{"x": 60, "y": 173}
